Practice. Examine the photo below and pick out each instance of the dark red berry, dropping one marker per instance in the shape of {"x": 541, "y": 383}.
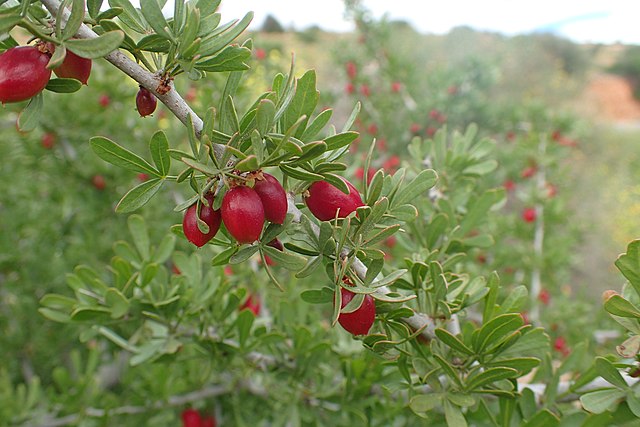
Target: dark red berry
{"x": 359, "y": 321}
{"x": 252, "y": 303}
{"x": 273, "y": 196}
{"x": 208, "y": 215}
{"x": 529, "y": 214}
{"x": 208, "y": 422}
{"x": 190, "y": 418}
{"x": 325, "y": 200}
{"x": 48, "y": 140}
{"x": 146, "y": 102}
{"x": 276, "y": 244}
{"x": 23, "y": 73}
{"x": 243, "y": 214}
{"x": 74, "y": 67}
{"x": 99, "y": 182}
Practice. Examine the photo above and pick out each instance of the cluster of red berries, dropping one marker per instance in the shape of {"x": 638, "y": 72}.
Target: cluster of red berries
{"x": 243, "y": 212}
{"x": 192, "y": 418}
{"x": 24, "y": 72}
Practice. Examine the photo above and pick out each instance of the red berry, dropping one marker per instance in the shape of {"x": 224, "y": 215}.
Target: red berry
{"x": 252, "y": 303}
{"x": 431, "y": 130}
{"x": 48, "y": 140}
{"x": 552, "y": 190}
{"x": 434, "y": 114}
{"x": 415, "y": 128}
{"x": 191, "y": 418}
{"x": 396, "y": 86}
{"x": 99, "y": 182}
{"x": 104, "y": 100}
{"x": 325, "y": 200}
{"x": 509, "y": 185}
{"x": 544, "y": 297}
{"x": 273, "y": 197}
{"x": 23, "y": 73}
{"x": 365, "y": 91}
{"x": 208, "y": 422}
{"x": 260, "y": 54}
{"x": 349, "y": 88}
{"x": 359, "y": 321}
{"x": 276, "y": 244}
{"x": 73, "y": 67}
{"x": 529, "y": 214}
{"x": 142, "y": 177}
{"x": 146, "y": 102}
{"x": 511, "y": 135}
{"x": 208, "y": 215}
{"x": 352, "y": 70}
{"x": 243, "y": 214}
{"x": 528, "y": 172}
{"x": 373, "y": 129}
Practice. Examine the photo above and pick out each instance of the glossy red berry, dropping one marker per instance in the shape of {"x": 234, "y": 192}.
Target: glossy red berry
{"x": 273, "y": 197}
{"x": 23, "y": 73}
{"x": 325, "y": 200}
{"x": 208, "y": 422}
{"x": 253, "y": 304}
{"x": 243, "y": 214}
{"x": 529, "y": 214}
{"x": 146, "y": 102}
{"x": 359, "y": 321}
{"x": 74, "y": 67}
{"x": 190, "y": 418}
{"x": 208, "y": 215}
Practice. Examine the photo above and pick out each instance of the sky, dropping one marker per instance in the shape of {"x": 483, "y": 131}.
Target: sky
{"x": 600, "y": 21}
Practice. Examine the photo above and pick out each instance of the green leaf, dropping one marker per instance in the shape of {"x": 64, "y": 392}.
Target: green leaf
{"x": 618, "y": 306}
{"x": 75, "y": 19}
{"x": 287, "y": 260}
{"x": 54, "y": 315}
{"x": 496, "y": 329}
{"x": 629, "y": 264}
{"x": 243, "y": 323}
{"x": 250, "y": 163}
{"x": 130, "y": 17}
{"x": 118, "y": 303}
{"x": 603, "y": 400}
{"x": 8, "y": 21}
{"x": 29, "y": 118}
{"x": 453, "y": 415}
{"x": 452, "y": 341}
{"x": 340, "y": 140}
{"x": 523, "y": 365}
{"x": 139, "y": 195}
{"x": 416, "y": 188}
{"x": 448, "y": 369}
{"x": 153, "y": 14}
{"x": 140, "y": 234}
{"x": 265, "y": 115}
{"x": 303, "y": 102}
{"x": 159, "y": 147}
{"x": 425, "y": 402}
{"x": 212, "y": 44}
{"x": 301, "y": 174}
{"x": 223, "y": 257}
{"x": 93, "y": 6}
{"x": 63, "y": 85}
{"x": 490, "y": 376}
{"x": 317, "y": 296}
{"x": 609, "y": 372}
{"x": 231, "y": 58}
{"x": 544, "y": 418}
{"x": 316, "y": 125}
{"x": 97, "y": 47}
{"x": 243, "y": 254}
{"x": 115, "y": 154}
{"x": 312, "y": 264}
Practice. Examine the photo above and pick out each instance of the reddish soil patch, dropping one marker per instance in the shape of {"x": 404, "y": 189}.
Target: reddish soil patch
{"x": 610, "y": 98}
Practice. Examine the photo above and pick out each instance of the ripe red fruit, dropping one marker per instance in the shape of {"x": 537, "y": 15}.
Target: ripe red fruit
{"x": 142, "y": 177}
{"x": 104, "y": 100}
{"x": 208, "y": 215}
{"x": 365, "y": 91}
{"x": 74, "y": 67}
{"x": 415, "y": 128}
{"x": 273, "y": 197}
{"x": 544, "y": 297}
{"x": 325, "y": 200}
{"x": 373, "y": 129}
{"x": 395, "y": 87}
{"x": 352, "y": 70}
{"x": 48, "y": 140}
{"x": 252, "y": 303}
{"x": 528, "y": 172}
{"x": 146, "y": 102}
{"x": 99, "y": 182}
{"x": 260, "y": 54}
{"x": 23, "y": 73}
{"x": 208, "y": 422}
{"x": 509, "y": 185}
{"x": 560, "y": 345}
{"x": 529, "y": 214}
{"x": 190, "y": 418}
{"x": 349, "y": 88}
{"x": 359, "y": 321}
{"x": 243, "y": 214}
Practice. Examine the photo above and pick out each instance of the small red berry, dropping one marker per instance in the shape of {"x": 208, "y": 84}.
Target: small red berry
{"x": 243, "y": 214}
{"x": 99, "y": 182}
{"x": 191, "y": 94}
{"x": 528, "y": 172}
{"x": 415, "y": 128}
{"x": 349, "y": 88}
{"x": 146, "y": 102}
{"x": 73, "y": 67}
{"x": 391, "y": 164}
{"x": 529, "y": 214}
{"x": 273, "y": 197}
{"x": 372, "y": 129}
{"x": 395, "y": 87}
{"x": 23, "y": 73}
{"x": 431, "y": 130}
{"x": 357, "y": 322}
{"x": 208, "y": 215}
{"x": 48, "y": 140}
{"x": 552, "y": 190}
{"x": 104, "y": 100}
{"x": 434, "y": 114}
{"x": 560, "y": 345}
{"x": 325, "y": 200}
{"x": 190, "y": 418}
{"x": 352, "y": 70}
{"x": 544, "y": 297}
{"x": 365, "y": 91}
{"x": 208, "y": 422}
{"x": 142, "y": 177}
{"x": 509, "y": 185}
{"x": 260, "y": 54}
{"x": 511, "y": 135}
{"x": 252, "y": 303}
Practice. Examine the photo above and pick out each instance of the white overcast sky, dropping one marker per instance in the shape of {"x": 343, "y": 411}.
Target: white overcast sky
{"x": 605, "y": 21}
